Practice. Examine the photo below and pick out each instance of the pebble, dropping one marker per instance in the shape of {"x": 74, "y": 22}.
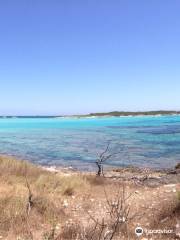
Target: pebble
{"x": 65, "y": 203}
{"x": 170, "y": 185}
{"x": 168, "y": 191}
{"x": 164, "y": 220}
{"x": 57, "y": 227}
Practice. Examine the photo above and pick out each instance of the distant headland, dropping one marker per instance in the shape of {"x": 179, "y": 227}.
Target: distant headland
{"x": 103, "y": 114}
{"x": 123, "y": 113}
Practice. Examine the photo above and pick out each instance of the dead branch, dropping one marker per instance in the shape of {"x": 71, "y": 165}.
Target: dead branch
{"x": 102, "y": 158}
{"x": 30, "y": 195}
{"x": 118, "y": 216}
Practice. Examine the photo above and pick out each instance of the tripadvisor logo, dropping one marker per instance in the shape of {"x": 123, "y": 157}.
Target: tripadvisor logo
{"x": 139, "y": 231}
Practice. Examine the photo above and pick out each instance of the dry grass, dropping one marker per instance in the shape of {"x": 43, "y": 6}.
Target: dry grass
{"x": 74, "y": 183}
{"x": 77, "y": 231}
{"x": 168, "y": 210}
{"x": 166, "y": 217}
{"x": 12, "y": 212}
{"x": 96, "y": 180}
{"x": 58, "y": 184}
{"x": 48, "y": 190}
{"x": 83, "y": 193}
{"x": 10, "y": 166}
{"x": 72, "y": 231}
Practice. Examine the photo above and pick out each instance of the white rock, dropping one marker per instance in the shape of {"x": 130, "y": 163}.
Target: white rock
{"x": 57, "y": 227}
{"x": 164, "y": 220}
{"x": 65, "y": 203}
{"x": 170, "y": 185}
{"x": 168, "y": 191}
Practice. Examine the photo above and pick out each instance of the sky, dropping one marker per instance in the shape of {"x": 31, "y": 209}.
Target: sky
{"x": 72, "y": 57}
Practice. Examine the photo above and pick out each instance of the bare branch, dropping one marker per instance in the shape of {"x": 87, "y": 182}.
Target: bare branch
{"x": 30, "y": 195}
{"x": 103, "y": 157}
{"x": 107, "y": 148}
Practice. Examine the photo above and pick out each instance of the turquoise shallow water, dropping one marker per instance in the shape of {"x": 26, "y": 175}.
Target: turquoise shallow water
{"x": 142, "y": 141}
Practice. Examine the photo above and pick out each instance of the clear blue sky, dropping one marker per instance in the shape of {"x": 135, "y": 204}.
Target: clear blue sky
{"x": 80, "y": 56}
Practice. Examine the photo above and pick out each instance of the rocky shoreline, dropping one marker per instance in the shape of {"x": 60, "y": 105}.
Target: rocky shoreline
{"x": 140, "y": 176}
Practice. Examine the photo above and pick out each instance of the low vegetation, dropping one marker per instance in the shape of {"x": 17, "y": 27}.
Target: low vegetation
{"x": 36, "y": 204}
{"x": 48, "y": 190}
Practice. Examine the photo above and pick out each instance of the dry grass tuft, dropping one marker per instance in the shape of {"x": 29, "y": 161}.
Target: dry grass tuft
{"x": 58, "y": 184}
{"x": 96, "y": 180}
{"x": 69, "y": 191}
{"x": 48, "y": 209}
{"x": 70, "y": 232}
{"x": 166, "y": 218}
{"x": 48, "y": 183}
{"x": 77, "y": 231}
{"x": 12, "y": 212}
{"x": 13, "y": 167}
{"x": 70, "y": 184}
{"x": 169, "y": 210}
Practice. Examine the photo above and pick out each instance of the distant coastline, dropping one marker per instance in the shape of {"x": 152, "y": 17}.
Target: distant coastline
{"x": 103, "y": 114}
{"x": 123, "y": 113}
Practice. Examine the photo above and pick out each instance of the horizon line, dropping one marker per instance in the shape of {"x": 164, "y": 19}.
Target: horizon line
{"x": 85, "y": 114}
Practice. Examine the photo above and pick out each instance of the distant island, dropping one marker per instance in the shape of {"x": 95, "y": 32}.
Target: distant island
{"x": 123, "y": 113}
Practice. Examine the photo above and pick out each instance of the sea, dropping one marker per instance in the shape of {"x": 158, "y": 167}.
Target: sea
{"x": 142, "y": 141}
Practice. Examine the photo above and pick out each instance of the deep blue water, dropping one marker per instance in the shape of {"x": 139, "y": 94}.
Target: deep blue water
{"x": 142, "y": 141}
